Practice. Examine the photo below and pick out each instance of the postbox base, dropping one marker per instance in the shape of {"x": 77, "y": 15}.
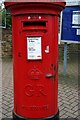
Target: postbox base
{"x": 54, "y": 117}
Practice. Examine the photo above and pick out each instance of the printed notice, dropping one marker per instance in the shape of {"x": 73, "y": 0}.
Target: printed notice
{"x": 34, "y": 50}
{"x": 76, "y": 18}
{"x": 78, "y": 31}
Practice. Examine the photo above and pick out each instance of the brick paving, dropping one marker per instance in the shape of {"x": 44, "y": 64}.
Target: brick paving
{"x": 68, "y": 90}
{"x": 7, "y": 89}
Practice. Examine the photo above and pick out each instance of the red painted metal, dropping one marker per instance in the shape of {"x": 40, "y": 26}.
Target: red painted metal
{"x": 35, "y": 81}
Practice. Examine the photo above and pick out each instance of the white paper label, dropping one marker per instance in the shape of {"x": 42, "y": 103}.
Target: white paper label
{"x": 34, "y": 50}
{"x": 76, "y": 17}
{"x": 78, "y": 31}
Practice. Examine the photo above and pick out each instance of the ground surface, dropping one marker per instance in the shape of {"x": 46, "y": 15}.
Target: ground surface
{"x": 68, "y": 89}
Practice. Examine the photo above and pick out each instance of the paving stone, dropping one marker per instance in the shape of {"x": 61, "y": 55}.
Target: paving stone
{"x": 66, "y": 102}
{"x": 4, "y": 111}
{"x": 76, "y": 113}
{"x": 78, "y": 117}
{"x": 70, "y": 115}
{"x": 9, "y": 114}
{"x": 75, "y": 108}
{"x": 61, "y": 108}
{"x": 63, "y": 116}
{"x": 60, "y": 104}
{"x": 68, "y": 110}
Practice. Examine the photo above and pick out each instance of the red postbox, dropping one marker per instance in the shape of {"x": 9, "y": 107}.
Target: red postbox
{"x": 35, "y": 58}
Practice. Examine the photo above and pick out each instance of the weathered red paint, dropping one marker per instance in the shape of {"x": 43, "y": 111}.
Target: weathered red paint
{"x": 35, "y": 81}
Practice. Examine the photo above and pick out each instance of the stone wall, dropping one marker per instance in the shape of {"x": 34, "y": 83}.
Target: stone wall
{"x": 6, "y": 43}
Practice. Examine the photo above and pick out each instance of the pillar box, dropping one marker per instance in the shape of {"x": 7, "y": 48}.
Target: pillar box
{"x": 35, "y": 59}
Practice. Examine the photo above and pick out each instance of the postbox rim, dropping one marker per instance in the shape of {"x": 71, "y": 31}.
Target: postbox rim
{"x": 9, "y": 4}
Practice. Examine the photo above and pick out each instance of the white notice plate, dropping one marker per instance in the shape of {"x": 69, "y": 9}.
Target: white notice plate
{"x": 76, "y": 17}
{"x": 34, "y": 51}
{"x": 78, "y": 32}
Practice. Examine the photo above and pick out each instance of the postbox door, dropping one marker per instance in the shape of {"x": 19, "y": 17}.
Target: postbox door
{"x": 38, "y": 67}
